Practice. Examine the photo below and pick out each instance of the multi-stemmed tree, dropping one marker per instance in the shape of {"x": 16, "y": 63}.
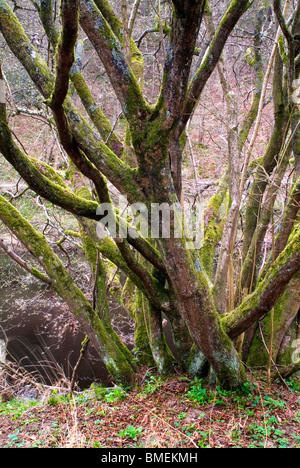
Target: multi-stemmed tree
{"x": 212, "y": 319}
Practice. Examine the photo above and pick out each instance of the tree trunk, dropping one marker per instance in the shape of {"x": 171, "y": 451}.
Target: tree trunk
{"x": 191, "y": 289}
{"x": 285, "y": 313}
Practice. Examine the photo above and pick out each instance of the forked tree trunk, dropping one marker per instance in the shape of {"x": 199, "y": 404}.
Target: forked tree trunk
{"x": 183, "y": 291}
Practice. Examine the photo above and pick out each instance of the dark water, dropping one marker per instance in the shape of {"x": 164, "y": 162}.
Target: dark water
{"x": 43, "y": 337}
{"x": 39, "y": 331}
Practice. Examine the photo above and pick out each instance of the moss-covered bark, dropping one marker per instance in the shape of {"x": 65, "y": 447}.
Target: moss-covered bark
{"x": 252, "y": 263}
{"x": 192, "y": 291}
{"x": 64, "y": 285}
{"x": 213, "y": 230}
{"x": 285, "y": 312}
{"x": 103, "y": 158}
{"x": 132, "y": 298}
{"x": 153, "y": 133}
{"x": 121, "y": 76}
{"x": 268, "y": 290}
{"x": 161, "y": 353}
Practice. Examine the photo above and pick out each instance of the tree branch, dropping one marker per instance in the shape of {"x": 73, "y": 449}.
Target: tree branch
{"x": 99, "y": 154}
{"x": 46, "y": 14}
{"x": 186, "y": 21}
{"x": 110, "y": 53}
{"x": 33, "y": 271}
{"x": 290, "y": 40}
{"x": 66, "y": 47}
{"x": 280, "y": 18}
{"x": 289, "y": 218}
{"x": 95, "y": 113}
{"x": 38, "y": 182}
{"x": 268, "y": 291}
{"x": 133, "y": 15}
{"x": 105, "y": 344}
{"x": 228, "y": 22}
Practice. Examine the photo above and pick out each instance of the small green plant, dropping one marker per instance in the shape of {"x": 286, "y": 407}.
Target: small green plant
{"x": 199, "y": 394}
{"x": 16, "y": 407}
{"x": 109, "y": 395}
{"x": 99, "y": 392}
{"x": 132, "y": 432}
{"x": 189, "y": 429}
{"x": 274, "y": 404}
{"x": 152, "y": 384}
{"x": 114, "y": 395}
{"x": 54, "y": 398}
{"x": 297, "y": 418}
{"x": 14, "y": 440}
{"x": 297, "y": 438}
{"x": 294, "y": 384}
{"x": 204, "y": 441}
{"x": 96, "y": 444}
{"x": 279, "y": 438}
{"x": 53, "y": 401}
{"x": 260, "y": 433}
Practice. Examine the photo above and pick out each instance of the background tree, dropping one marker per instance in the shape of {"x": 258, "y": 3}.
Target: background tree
{"x": 208, "y": 302}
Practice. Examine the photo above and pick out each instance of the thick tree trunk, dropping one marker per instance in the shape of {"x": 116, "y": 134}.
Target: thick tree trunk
{"x": 191, "y": 289}
{"x": 154, "y": 132}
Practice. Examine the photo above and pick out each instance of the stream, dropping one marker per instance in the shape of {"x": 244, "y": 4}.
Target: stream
{"x": 40, "y": 333}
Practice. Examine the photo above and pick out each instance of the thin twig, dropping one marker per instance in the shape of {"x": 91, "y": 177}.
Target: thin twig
{"x": 268, "y": 351}
{"x": 84, "y": 346}
{"x": 28, "y": 268}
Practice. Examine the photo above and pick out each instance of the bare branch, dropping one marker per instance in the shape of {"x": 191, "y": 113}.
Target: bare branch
{"x": 184, "y": 32}
{"x": 110, "y": 53}
{"x": 280, "y": 17}
{"x": 66, "y": 55}
{"x": 268, "y": 291}
{"x": 228, "y": 22}
{"x": 133, "y": 15}
{"x": 16, "y": 258}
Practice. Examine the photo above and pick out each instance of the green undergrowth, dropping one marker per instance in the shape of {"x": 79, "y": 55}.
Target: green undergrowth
{"x": 160, "y": 412}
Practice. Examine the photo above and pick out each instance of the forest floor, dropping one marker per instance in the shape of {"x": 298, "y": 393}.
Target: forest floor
{"x": 160, "y": 413}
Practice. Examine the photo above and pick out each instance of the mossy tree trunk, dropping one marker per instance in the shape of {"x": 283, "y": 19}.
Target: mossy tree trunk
{"x": 285, "y": 314}
{"x": 170, "y": 278}
{"x": 117, "y": 363}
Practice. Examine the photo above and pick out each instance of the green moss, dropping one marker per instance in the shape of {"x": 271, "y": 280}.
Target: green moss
{"x": 129, "y": 299}
{"x": 109, "y": 347}
{"x": 101, "y": 122}
{"x": 156, "y": 338}
{"x": 212, "y": 237}
{"x": 197, "y": 365}
{"x": 250, "y": 57}
{"x": 213, "y": 231}
{"x": 49, "y": 173}
{"x": 255, "y": 163}
{"x": 282, "y": 51}
{"x": 22, "y": 47}
{"x": 251, "y": 302}
{"x": 284, "y": 318}
{"x": 141, "y": 341}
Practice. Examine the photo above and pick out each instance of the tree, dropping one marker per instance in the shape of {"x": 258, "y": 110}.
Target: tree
{"x": 163, "y": 274}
